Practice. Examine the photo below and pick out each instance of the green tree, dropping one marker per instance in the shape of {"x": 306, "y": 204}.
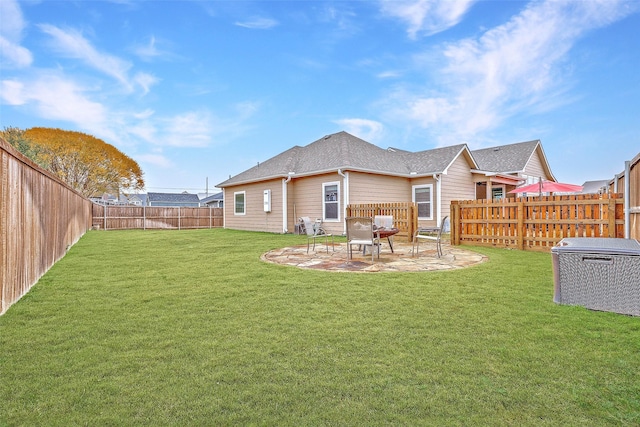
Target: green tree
{"x": 86, "y": 163}
{"x": 17, "y": 139}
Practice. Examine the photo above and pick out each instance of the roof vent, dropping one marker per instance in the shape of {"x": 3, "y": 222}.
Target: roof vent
{"x": 496, "y": 149}
{"x": 327, "y": 136}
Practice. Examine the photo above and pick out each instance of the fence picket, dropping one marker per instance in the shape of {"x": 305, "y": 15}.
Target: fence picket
{"x": 536, "y": 223}
{"x": 155, "y": 217}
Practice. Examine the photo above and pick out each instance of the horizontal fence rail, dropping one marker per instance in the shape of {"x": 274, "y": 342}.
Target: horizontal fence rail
{"x": 404, "y": 214}
{"x": 536, "y": 223}
{"x": 155, "y": 217}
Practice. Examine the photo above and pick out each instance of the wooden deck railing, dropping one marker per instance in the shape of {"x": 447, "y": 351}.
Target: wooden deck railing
{"x": 536, "y": 223}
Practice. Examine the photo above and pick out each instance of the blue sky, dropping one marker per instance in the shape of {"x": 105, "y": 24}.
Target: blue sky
{"x": 196, "y": 91}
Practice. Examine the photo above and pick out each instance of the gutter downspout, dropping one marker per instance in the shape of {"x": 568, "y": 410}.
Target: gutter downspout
{"x": 345, "y": 193}
{"x": 438, "y": 177}
{"x": 224, "y": 208}
{"x": 627, "y": 202}
{"x": 285, "y": 202}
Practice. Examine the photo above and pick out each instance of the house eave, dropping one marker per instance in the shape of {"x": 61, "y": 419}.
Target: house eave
{"x": 408, "y": 175}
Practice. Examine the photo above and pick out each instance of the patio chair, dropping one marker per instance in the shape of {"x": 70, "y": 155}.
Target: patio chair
{"x": 360, "y": 232}
{"x": 385, "y": 221}
{"x": 429, "y": 233}
{"x": 315, "y": 231}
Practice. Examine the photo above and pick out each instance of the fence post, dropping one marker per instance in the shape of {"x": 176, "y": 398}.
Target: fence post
{"x": 413, "y": 212}
{"x": 455, "y": 223}
{"x": 104, "y": 224}
{"x": 612, "y": 217}
{"x": 520, "y": 228}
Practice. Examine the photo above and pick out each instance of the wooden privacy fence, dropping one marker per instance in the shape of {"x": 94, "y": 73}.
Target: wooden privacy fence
{"x": 404, "y": 214}
{"x": 40, "y": 218}
{"x": 155, "y": 217}
{"x": 536, "y": 223}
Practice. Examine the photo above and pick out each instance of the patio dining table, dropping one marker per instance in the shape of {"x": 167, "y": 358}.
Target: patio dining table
{"x": 383, "y": 232}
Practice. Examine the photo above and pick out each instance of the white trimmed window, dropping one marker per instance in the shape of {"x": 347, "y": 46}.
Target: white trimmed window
{"x": 331, "y": 201}
{"x": 497, "y": 193}
{"x": 423, "y": 198}
{"x": 240, "y": 203}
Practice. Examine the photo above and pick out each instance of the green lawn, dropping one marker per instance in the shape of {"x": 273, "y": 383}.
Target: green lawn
{"x": 191, "y": 328}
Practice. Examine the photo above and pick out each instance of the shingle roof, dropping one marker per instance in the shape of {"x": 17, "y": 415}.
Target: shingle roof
{"x": 218, "y": 196}
{"x": 433, "y": 161}
{"x": 505, "y": 158}
{"x": 174, "y": 197}
{"x": 344, "y": 151}
{"x": 593, "y": 187}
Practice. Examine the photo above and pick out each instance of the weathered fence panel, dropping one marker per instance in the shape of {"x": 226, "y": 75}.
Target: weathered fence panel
{"x": 536, "y": 223}
{"x": 404, "y": 214}
{"x": 40, "y": 218}
{"x": 155, "y": 217}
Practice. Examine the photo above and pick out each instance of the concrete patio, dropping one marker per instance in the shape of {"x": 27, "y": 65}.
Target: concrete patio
{"x": 402, "y": 260}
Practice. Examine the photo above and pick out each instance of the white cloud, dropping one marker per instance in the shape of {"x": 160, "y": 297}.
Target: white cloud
{"x": 72, "y": 44}
{"x": 144, "y": 114}
{"x": 144, "y": 129}
{"x": 190, "y": 129}
{"x": 368, "y": 130}
{"x": 14, "y": 55}
{"x": 145, "y": 81}
{"x": 150, "y": 51}
{"x": 258, "y": 23}
{"x": 155, "y": 160}
{"x": 390, "y": 74}
{"x": 509, "y": 69}
{"x": 55, "y": 98}
{"x": 11, "y": 27}
{"x": 12, "y": 92}
{"x": 11, "y": 21}
{"x": 427, "y": 16}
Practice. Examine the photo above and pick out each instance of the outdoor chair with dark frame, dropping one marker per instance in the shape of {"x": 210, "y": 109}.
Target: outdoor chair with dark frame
{"x": 429, "y": 233}
{"x": 314, "y": 231}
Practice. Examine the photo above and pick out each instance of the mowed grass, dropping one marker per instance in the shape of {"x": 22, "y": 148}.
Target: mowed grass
{"x": 192, "y": 328}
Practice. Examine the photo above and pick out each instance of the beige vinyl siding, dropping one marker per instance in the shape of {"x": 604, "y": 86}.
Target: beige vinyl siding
{"x": 306, "y": 198}
{"x": 534, "y": 167}
{"x": 457, "y": 184}
{"x": 370, "y": 188}
{"x": 434, "y": 207}
{"x": 255, "y": 218}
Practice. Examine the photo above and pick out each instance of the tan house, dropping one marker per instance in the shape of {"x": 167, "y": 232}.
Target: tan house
{"x": 321, "y": 179}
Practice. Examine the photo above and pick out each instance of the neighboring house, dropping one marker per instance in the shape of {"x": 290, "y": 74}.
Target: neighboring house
{"x": 137, "y": 199}
{"x": 214, "y": 201}
{"x": 122, "y": 200}
{"x": 595, "y": 187}
{"x": 319, "y": 180}
{"x": 105, "y": 199}
{"x": 173, "y": 199}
